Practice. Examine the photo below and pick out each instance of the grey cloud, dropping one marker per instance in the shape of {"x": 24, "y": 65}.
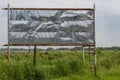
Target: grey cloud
{"x": 107, "y": 17}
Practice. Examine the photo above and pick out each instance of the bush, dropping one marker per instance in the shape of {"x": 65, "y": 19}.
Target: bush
{"x": 75, "y": 66}
{"x": 61, "y": 69}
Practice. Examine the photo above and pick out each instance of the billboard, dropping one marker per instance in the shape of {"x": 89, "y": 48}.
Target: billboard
{"x": 51, "y": 27}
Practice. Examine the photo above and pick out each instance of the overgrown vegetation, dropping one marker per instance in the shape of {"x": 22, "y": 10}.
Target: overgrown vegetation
{"x": 60, "y": 65}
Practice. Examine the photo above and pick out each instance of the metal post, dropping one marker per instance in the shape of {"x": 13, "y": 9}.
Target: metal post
{"x": 94, "y": 44}
{"x": 34, "y": 57}
{"x": 89, "y": 53}
{"x": 8, "y": 54}
{"x": 83, "y": 57}
{"x": 95, "y": 59}
{"x": 95, "y": 62}
{"x": 29, "y": 49}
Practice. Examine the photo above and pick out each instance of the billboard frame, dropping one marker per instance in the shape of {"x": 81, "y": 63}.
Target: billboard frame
{"x": 93, "y": 9}
{"x": 89, "y": 46}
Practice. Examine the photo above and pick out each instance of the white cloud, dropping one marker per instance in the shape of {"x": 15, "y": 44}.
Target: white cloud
{"x": 50, "y": 3}
{"x": 108, "y": 6}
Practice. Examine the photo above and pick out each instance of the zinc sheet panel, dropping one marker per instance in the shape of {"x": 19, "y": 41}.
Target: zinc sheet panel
{"x": 51, "y": 27}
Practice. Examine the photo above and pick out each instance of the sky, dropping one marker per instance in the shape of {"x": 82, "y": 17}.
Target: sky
{"x": 107, "y": 17}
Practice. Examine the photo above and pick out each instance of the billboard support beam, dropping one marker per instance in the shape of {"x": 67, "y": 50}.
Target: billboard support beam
{"x": 89, "y": 52}
{"x": 8, "y": 53}
{"x": 34, "y": 57}
{"x": 94, "y": 43}
{"x": 49, "y": 8}
{"x": 29, "y": 49}
{"x": 83, "y": 55}
{"x": 89, "y": 45}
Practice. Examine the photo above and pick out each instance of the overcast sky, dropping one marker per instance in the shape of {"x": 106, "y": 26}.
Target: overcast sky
{"x": 107, "y": 17}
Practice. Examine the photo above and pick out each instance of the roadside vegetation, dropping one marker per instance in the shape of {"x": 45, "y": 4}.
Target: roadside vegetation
{"x": 59, "y": 65}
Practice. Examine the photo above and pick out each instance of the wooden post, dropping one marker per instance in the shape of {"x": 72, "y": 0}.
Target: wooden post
{"x": 34, "y": 57}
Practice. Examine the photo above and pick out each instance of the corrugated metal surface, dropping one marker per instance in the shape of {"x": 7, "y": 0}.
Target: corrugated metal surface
{"x": 51, "y": 27}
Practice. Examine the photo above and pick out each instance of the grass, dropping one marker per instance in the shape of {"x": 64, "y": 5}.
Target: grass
{"x": 60, "y": 65}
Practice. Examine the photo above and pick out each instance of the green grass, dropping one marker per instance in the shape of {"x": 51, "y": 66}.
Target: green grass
{"x": 60, "y": 65}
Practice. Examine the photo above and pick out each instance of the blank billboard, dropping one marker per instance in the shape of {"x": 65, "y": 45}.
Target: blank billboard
{"x": 51, "y": 27}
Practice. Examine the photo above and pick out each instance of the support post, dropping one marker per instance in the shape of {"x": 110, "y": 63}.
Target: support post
{"x": 94, "y": 44}
{"x": 29, "y": 49}
{"x": 89, "y": 52}
{"x": 95, "y": 59}
{"x": 34, "y": 57}
{"x": 83, "y": 56}
{"x": 8, "y": 54}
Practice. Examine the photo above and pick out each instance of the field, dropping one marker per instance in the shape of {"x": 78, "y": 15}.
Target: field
{"x": 59, "y": 65}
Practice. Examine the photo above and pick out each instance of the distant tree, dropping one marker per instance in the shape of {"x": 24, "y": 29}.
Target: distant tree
{"x": 76, "y": 48}
{"x": 48, "y": 49}
{"x": 63, "y": 49}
